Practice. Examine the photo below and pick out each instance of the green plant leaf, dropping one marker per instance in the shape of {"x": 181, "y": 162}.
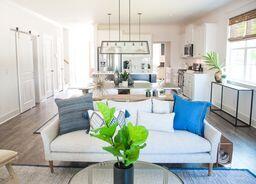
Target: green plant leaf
{"x": 132, "y": 155}
{"x": 138, "y": 134}
{"x": 212, "y": 60}
{"x": 102, "y": 137}
{"x": 122, "y": 138}
{"x": 112, "y": 150}
{"x": 108, "y": 131}
{"x": 107, "y": 113}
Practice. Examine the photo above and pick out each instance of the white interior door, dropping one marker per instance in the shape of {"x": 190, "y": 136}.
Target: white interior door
{"x": 25, "y": 72}
{"x": 48, "y": 65}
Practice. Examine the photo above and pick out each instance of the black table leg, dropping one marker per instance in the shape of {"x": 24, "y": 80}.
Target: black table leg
{"x": 221, "y": 100}
{"x": 211, "y": 97}
{"x": 250, "y": 121}
{"x": 237, "y": 105}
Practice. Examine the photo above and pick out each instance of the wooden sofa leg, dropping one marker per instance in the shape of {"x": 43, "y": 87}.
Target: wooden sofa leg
{"x": 51, "y": 166}
{"x": 12, "y": 173}
{"x": 210, "y": 166}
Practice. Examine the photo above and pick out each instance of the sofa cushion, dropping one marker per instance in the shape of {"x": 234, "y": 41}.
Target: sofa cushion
{"x": 77, "y": 142}
{"x": 153, "y": 121}
{"x": 71, "y": 113}
{"x": 178, "y": 142}
{"x": 162, "y": 107}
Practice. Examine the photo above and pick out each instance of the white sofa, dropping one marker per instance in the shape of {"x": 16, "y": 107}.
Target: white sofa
{"x": 162, "y": 147}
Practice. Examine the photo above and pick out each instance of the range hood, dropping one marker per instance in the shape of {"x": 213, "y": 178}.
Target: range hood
{"x": 125, "y": 47}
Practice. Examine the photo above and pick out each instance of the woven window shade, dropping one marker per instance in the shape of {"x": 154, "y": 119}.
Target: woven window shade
{"x": 251, "y": 28}
{"x": 243, "y": 26}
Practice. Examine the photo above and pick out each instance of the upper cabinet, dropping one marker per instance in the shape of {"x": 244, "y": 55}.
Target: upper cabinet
{"x": 189, "y": 34}
{"x": 203, "y": 37}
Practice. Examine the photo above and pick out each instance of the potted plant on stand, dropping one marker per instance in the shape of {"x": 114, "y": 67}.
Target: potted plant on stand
{"x": 124, "y": 77}
{"x": 212, "y": 61}
{"x": 125, "y": 144}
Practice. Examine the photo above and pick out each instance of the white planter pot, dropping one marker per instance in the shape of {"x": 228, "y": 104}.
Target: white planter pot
{"x": 125, "y": 84}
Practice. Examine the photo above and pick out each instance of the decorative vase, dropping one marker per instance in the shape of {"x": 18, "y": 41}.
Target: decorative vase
{"x": 125, "y": 84}
{"x": 130, "y": 81}
{"x": 116, "y": 78}
{"x": 218, "y": 77}
{"x": 123, "y": 175}
{"x": 155, "y": 93}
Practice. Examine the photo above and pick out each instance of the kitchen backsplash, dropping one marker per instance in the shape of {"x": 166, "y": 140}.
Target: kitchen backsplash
{"x": 139, "y": 63}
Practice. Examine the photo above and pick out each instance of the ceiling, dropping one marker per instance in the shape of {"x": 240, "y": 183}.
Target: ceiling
{"x": 154, "y": 11}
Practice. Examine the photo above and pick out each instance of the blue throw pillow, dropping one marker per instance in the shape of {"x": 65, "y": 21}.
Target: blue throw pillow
{"x": 190, "y": 115}
{"x": 71, "y": 113}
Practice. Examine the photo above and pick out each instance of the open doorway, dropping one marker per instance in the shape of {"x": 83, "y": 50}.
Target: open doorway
{"x": 161, "y": 60}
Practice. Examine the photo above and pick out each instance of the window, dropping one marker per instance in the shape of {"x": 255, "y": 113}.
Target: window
{"x": 241, "y": 63}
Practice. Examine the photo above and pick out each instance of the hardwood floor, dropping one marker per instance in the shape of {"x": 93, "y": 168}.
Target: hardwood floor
{"x": 17, "y": 134}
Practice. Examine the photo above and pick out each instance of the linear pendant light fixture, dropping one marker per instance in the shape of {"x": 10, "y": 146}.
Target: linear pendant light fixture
{"x": 125, "y": 47}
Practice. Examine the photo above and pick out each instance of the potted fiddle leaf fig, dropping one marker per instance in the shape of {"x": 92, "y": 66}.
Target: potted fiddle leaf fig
{"x": 124, "y": 144}
{"x": 213, "y": 62}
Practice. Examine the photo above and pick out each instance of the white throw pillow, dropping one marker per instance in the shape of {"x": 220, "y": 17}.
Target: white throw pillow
{"x": 157, "y": 122}
{"x": 133, "y": 108}
{"x": 162, "y": 107}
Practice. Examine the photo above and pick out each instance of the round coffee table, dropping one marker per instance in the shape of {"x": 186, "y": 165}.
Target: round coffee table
{"x": 144, "y": 173}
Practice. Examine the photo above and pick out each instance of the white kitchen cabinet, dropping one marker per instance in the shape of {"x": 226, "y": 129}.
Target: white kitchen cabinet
{"x": 204, "y": 39}
{"x": 197, "y": 86}
{"x": 189, "y": 34}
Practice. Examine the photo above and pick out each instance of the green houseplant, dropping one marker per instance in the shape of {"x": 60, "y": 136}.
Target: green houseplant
{"x": 125, "y": 144}
{"x": 124, "y": 77}
{"x": 213, "y": 62}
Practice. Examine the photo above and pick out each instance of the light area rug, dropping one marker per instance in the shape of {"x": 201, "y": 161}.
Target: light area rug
{"x": 62, "y": 175}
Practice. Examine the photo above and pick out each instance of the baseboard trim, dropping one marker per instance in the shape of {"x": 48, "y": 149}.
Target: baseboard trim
{"x": 231, "y": 110}
{"x": 9, "y": 115}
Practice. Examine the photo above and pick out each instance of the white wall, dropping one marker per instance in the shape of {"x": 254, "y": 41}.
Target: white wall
{"x": 12, "y": 16}
{"x": 221, "y": 17}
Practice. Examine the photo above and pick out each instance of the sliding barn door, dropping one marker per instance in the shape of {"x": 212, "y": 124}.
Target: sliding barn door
{"x": 25, "y": 71}
{"x": 48, "y": 65}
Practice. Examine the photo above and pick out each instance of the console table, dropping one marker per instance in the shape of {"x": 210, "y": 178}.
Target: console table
{"x": 223, "y": 114}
